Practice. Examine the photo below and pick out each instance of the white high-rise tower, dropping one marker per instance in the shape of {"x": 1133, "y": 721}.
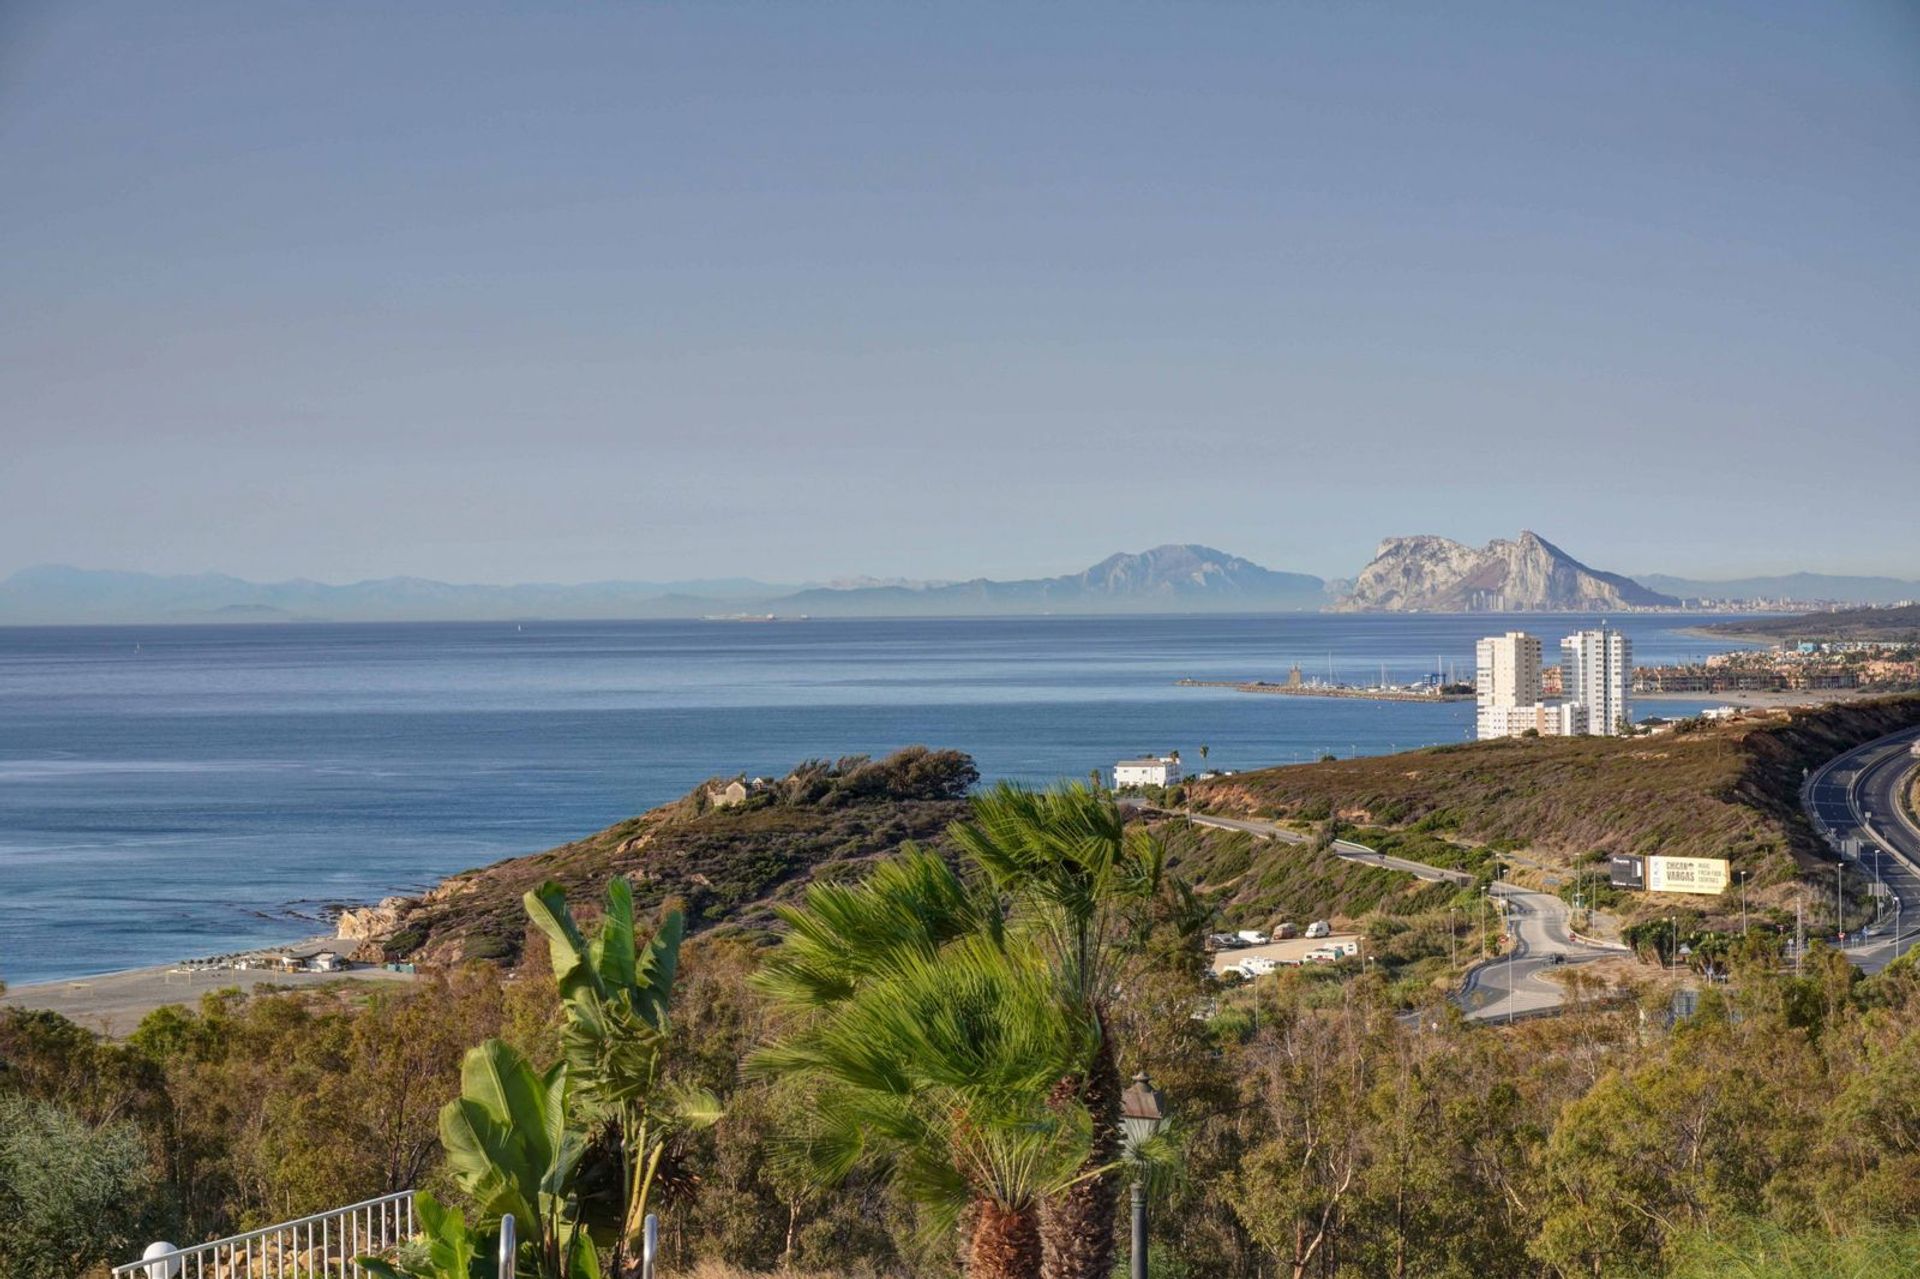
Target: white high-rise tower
{"x": 1596, "y": 675}
{"x": 1506, "y": 678}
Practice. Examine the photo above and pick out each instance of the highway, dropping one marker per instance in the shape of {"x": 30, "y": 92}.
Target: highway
{"x": 1856, "y": 796}
{"x": 1513, "y": 985}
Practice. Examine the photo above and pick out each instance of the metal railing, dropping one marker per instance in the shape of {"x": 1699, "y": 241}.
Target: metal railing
{"x": 322, "y": 1246}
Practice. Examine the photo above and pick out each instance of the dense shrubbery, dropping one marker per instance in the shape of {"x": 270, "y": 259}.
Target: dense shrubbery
{"x": 73, "y": 1194}
{"x": 727, "y": 865}
{"x": 914, "y": 773}
{"x": 1319, "y": 1129}
{"x": 1321, "y": 1132}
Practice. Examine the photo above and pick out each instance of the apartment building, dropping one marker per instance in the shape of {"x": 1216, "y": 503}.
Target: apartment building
{"x": 1596, "y": 670}
{"x": 1506, "y": 681}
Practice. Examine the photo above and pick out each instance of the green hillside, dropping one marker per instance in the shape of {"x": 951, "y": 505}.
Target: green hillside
{"x": 725, "y": 864}
{"x": 1730, "y": 791}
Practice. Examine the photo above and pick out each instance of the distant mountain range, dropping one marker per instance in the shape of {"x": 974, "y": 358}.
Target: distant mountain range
{"x": 1437, "y": 575}
{"x": 56, "y": 594}
{"x": 1790, "y": 586}
{"x": 1898, "y": 624}
{"x": 1408, "y": 574}
{"x": 1183, "y": 579}
{"x": 1165, "y": 579}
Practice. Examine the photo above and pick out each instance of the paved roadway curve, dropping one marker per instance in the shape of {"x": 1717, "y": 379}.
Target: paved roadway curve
{"x": 1516, "y": 983}
{"x": 1344, "y": 849}
{"x": 1512, "y": 985}
{"x": 1856, "y": 795}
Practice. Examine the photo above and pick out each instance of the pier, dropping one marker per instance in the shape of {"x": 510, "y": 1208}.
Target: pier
{"x": 1384, "y": 693}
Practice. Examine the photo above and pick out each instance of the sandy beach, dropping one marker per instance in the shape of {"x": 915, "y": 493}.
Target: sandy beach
{"x": 1767, "y": 700}
{"x": 114, "y": 1003}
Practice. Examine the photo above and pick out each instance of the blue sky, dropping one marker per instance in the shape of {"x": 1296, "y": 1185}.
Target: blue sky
{"x": 561, "y": 292}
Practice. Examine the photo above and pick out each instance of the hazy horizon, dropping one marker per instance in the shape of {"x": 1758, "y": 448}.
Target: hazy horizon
{"x": 492, "y": 294}
{"x": 734, "y": 583}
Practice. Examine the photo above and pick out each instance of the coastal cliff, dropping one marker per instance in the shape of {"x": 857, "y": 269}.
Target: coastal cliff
{"x": 729, "y": 851}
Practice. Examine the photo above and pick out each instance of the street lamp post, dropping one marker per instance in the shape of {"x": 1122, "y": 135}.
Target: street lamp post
{"x": 1513, "y": 945}
{"x": 1142, "y": 1110}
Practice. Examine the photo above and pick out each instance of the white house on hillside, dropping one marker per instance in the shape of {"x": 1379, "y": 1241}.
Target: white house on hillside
{"x": 1161, "y": 771}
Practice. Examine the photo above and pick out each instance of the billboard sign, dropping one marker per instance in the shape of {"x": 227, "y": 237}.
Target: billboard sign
{"x": 1627, "y": 872}
{"x": 1686, "y": 875}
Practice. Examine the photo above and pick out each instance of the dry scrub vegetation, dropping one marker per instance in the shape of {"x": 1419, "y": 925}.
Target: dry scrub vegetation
{"x": 1730, "y": 791}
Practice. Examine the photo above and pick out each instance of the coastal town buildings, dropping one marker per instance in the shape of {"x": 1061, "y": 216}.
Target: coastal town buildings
{"x": 1543, "y": 719}
{"x": 1161, "y": 770}
{"x": 1873, "y": 667}
{"x": 1506, "y": 675}
{"x": 1510, "y": 685}
{"x": 1597, "y": 673}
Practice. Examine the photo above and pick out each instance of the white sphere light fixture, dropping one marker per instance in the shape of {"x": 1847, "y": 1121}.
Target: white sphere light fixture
{"x": 168, "y": 1269}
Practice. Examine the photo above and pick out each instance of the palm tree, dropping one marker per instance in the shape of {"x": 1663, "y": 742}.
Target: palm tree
{"x": 1078, "y": 883}
{"x": 934, "y": 1042}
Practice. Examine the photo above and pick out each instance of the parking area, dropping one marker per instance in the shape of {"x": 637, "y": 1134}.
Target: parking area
{"x": 1292, "y": 951}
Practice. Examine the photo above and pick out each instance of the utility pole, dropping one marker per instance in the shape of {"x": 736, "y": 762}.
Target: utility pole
{"x": 1839, "y": 911}
{"x": 1799, "y": 930}
{"x": 1880, "y": 887}
{"x": 1743, "y": 903}
{"x": 1513, "y": 938}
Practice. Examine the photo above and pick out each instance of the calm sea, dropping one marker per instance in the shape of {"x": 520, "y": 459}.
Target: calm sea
{"x": 182, "y": 790}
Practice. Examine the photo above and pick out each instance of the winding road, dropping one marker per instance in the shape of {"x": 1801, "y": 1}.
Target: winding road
{"x": 1512, "y": 985}
{"x": 1856, "y": 797}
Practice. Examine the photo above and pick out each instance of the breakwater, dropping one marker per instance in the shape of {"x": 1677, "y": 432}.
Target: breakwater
{"x": 1386, "y": 694}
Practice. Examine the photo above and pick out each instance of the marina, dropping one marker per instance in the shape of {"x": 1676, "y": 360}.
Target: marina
{"x": 1380, "y": 693}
